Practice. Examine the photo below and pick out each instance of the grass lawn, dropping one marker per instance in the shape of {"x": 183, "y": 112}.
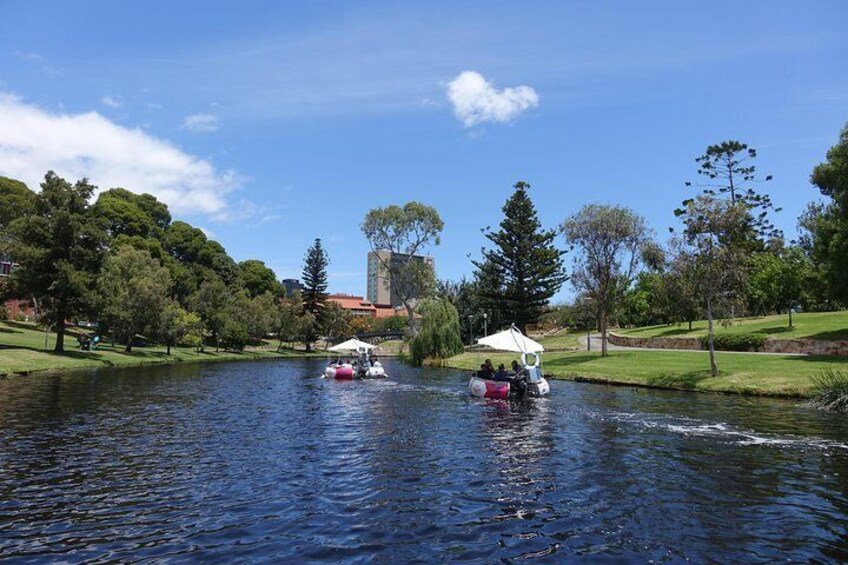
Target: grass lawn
{"x": 746, "y": 373}
{"x": 22, "y": 350}
{"x": 562, "y": 340}
{"x": 813, "y": 325}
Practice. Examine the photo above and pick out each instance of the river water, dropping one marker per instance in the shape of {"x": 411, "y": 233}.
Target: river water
{"x": 252, "y": 461}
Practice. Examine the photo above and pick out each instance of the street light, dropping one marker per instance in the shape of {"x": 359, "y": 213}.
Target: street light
{"x": 485, "y": 324}
{"x": 471, "y": 329}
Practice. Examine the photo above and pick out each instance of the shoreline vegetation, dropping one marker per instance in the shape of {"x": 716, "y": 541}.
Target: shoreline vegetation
{"x": 22, "y": 351}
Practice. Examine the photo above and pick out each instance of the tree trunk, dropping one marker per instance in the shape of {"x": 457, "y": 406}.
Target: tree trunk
{"x": 60, "y": 333}
{"x": 790, "y": 316}
{"x": 128, "y": 348}
{"x": 167, "y": 348}
{"x": 690, "y": 325}
{"x": 713, "y": 366}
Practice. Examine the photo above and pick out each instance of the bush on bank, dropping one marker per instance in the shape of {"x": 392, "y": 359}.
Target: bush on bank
{"x": 736, "y": 342}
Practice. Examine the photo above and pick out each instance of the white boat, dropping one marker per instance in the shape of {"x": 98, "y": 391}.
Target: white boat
{"x": 528, "y": 382}
{"x": 363, "y": 367}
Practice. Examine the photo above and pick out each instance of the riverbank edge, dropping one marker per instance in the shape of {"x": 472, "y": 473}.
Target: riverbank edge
{"x": 611, "y": 381}
{"x": 231, "y": 357}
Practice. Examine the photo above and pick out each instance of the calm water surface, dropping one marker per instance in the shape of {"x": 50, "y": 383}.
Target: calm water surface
{"x": 253, "y": 461}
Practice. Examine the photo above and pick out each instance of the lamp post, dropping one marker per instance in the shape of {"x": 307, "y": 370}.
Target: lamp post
{"x": 485, "y": 324}
{"x": 471, "y": 329}
{"x": 589, "y": 318}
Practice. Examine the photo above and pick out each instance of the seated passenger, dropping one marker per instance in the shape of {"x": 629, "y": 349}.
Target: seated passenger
{"x": 516, "y": 368}
{"x": 501, "y": 374}
{"x": 485, "y": 372}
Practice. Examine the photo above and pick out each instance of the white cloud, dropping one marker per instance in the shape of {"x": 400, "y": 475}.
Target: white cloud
{"x": 33, "y": 141}
{"x": 475, "y": 100}
{"x": 111, "y": 102}
{"x": 201, "y": 123}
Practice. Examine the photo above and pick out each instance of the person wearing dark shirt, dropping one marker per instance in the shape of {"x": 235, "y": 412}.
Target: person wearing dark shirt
{"x": 501, "y": 374}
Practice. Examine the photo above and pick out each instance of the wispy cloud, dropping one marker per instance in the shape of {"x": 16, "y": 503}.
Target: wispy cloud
{"x": 111, "y": 102}
{"x": 38, "y": 59}
{"x": 33, "y": 141}
{"x": 201, "y": 123}
{"x": 475, "y": 100}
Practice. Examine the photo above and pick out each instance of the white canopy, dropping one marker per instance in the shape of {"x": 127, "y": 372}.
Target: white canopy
{"x": 511, "y": 340}
{"x": 352, "y": 345}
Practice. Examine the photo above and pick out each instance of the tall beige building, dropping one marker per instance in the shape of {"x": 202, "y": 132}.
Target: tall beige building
{"x": 379, "y": 282}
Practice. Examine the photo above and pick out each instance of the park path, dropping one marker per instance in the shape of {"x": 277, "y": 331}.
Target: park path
{"x": 596, "y": 346}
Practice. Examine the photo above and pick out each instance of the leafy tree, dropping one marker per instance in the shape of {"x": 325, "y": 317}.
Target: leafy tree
{"x": 405, "y": 232}
{"x": 362, "y": 324}
{"x": 133, "y": 288}
{"x": 132, "y": 214}
{"x": 16, "y": 201}
{"x": 392, "y": 324}
{"x": 259, "y": 313}
{"x": 213, "y": 300}
{"x": 314, "y": 290}
{"x": 439, "y": 337}
{"x": 826, "y": 224}
{"x": 335, "y": 322}
{"x": 466, "y": 298}
{"x": 258, "y": 279}
{"x": 682, "y": 287}
{"x": 234, "y": 334}
{"x": 521, "y": 273}
{"x": 178, "y": 325}
{"x": 59, "y": 249}
{"x": 710, "y": 228}
{"x": 610, "y": 240}
{"x": 183, "y": 241}
{"x": 289, "y": 313}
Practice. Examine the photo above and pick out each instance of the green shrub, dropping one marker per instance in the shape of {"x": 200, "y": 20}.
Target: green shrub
{"x": 19, "y": 317}
{"x": 234, "y": 335}
{"x": 830, "y": 391}
{"x": 4, "y": 312}
{"x": 736, "y": 342}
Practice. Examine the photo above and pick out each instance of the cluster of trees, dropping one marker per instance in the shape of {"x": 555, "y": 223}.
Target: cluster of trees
{"x": 121, "y": 261}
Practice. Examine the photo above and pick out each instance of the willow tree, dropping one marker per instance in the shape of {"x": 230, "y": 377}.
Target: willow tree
{"x": 439, "y": 337}
{"x": 609, "y": 241}
{"x": 523, "y": 270}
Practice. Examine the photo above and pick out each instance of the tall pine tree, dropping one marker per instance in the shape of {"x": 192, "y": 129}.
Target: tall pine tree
{"x": 314, "y": 289}
{"x": 523, "y": 270}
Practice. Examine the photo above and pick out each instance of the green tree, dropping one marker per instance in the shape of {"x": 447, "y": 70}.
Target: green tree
{"x": 314, "y": 290}
{"x": 521, "y": 273}
{"x": 711, "y": 226}
{"x": 826, "y": 224}
{"x": 59, "y": 249}
{"x": 16, "y": 201}
{"x": 610, "y": 240}
{"x": 289, "y": 313}
{"x": 133, "y": 289}
{"x": 131, "y": 214}
{"x": 405, "y": 232}
{"x": 213, "y": 299}
{"x": 179, "y": 326}
{"x": 258, "y": 279}
{"x": 183, "y": 242}
{"x": 335, "y": 322}
{"x": 439, "y": 337}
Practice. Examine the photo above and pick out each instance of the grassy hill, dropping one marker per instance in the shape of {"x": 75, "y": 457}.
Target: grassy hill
{"x": 22, "y": 349}
{"x": 813, "y": 325}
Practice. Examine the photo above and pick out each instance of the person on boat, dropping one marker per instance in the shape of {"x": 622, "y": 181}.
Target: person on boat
{"x": 485, "y": 372}
{"x": 516, "y": 368}
{"x": 501, "y": 374}
{"x": 489, "y": 366}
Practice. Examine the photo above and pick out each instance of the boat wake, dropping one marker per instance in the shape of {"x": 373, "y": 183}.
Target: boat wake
{"x": 722, "y": 431}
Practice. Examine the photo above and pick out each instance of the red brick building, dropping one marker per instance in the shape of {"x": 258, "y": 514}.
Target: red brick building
{"x": 358, "y": 306}
{"x": 13, "y": 307}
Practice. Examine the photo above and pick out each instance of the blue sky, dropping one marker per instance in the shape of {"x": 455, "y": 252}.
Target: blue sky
{"x": 272, "y": 123}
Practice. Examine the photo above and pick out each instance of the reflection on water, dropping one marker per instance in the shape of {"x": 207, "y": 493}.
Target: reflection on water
{"x": 230, "y": 462}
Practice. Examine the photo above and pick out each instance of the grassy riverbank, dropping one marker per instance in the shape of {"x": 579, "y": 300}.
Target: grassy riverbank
{"x": 773, "y": 375}
{"x": 22, "y": 350}
{"x": 812, "y": 325}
